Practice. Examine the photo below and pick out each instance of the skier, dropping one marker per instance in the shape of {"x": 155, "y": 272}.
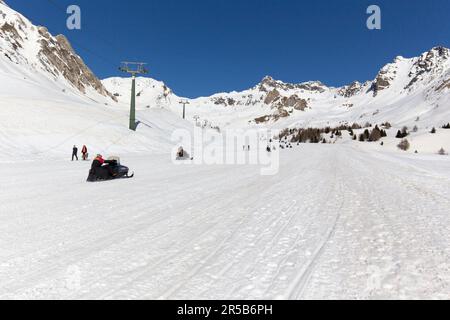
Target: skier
{"x": 84, "y": 151}
{"x": 75, "y": 153}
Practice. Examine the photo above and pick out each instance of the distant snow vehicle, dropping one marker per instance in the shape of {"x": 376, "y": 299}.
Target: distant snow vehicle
{"x": 110, "y": 170}
{"x": 183, "y": 155}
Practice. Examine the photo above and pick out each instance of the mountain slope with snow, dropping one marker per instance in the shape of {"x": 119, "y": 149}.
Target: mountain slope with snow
{"x": 403, "y": 91}
{"x": 26, "y": 46}
{"x": 50, "y": 101}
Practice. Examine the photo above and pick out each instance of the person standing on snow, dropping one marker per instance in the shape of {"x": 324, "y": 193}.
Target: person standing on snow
{"x": 84, "y": 151}
{"x": 75, "y": 153}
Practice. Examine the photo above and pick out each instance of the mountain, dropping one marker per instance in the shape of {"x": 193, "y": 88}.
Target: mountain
{"x": 402, "y": 92}
{"x": 26, "y": 46}
{"x": 50, "y": 100}
{"x": 147, "y": 90}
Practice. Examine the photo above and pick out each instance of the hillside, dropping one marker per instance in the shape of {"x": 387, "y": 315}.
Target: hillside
{"x": 50, "y": 100}
{"x": 403, "y": 91}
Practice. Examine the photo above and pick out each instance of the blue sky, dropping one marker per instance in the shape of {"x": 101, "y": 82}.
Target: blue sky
{"x": 200, "y": 47}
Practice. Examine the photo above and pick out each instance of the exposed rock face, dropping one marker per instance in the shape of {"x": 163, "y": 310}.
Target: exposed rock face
{"x": 284, "y": 105}
{"x": 382, "y": 81}
{"x": 445, "y": 85}
{"x": 12, "y": 35}
{"x": 243, "y": 100}
{"x": 293, "y": 102}
{"x": 268, "y": 84}
{"x": 272, "y": 96}
{"x": 276, "y": 100}
{"x": 58, "y": 56}
{"x": 22, "y": 43}
{"x": 263, "y": 119}
{"x": 431, "y": 62}
{"x": 312, "y": 86}
{"x": 351, "y": 90}
{"x": 224, "y": 101}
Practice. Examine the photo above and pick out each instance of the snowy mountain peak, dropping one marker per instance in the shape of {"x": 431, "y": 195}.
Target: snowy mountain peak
{"x": 268, "y": 84}
{"x": 429, "y": 66}
{"x": 32, "y": 47}
{"x": 411, "y": 74}
{"x": 417, "y": 83}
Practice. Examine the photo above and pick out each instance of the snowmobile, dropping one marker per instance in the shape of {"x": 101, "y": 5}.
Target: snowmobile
{"x": 111, "y": 170}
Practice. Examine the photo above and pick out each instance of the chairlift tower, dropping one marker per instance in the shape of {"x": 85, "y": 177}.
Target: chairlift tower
{"x": 133, "y": 68}
{"x": 184, "y": 103}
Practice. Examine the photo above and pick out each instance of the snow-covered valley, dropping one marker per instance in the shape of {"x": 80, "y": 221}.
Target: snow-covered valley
{"x": 358, "y": 225}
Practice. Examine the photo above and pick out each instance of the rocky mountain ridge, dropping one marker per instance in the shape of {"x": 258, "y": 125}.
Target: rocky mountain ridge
{"x": 34, "y": 48}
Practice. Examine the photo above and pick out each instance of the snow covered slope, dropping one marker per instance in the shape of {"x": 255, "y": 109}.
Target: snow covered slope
{"x": 367, "y": 226}
{"x": 43, "y": 118}
{"x": 50, "y": 101}
{"x": 33, "y": 48}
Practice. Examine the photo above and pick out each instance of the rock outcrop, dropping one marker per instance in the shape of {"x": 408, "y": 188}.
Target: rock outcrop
{"x": 351, "y": 90}
{"x": 430, "y": 63}
{"x": 267, "y": 84}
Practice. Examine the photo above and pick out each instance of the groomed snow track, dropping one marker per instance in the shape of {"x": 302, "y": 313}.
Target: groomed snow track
{"x": 336, "y": 222}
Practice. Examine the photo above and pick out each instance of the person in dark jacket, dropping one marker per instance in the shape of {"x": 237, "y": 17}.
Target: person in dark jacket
{"x": 98, "y": 162}
{"x": 98, "y": 171}
{"x": 84, "y": 152}
{"x": 75, "y": 153}
{"x": 102, "y": 169}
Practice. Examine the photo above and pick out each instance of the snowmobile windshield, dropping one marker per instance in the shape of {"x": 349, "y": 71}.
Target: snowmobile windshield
{"x": 116, "y": 159}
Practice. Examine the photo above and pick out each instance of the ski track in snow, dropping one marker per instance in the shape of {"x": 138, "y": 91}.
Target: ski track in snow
{"x": 336, "y": 222}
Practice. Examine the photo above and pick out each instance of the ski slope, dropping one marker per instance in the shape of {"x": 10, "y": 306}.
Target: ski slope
{"x": 40, "y": 118}
{"x": 338, "y": 221}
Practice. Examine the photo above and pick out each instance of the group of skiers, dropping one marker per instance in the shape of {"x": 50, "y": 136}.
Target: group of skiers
{"x": 84, "y": 152}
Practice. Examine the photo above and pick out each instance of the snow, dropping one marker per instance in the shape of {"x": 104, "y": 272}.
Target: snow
{"x": 346, "y": 220}
{"x": 357, "y": 224}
